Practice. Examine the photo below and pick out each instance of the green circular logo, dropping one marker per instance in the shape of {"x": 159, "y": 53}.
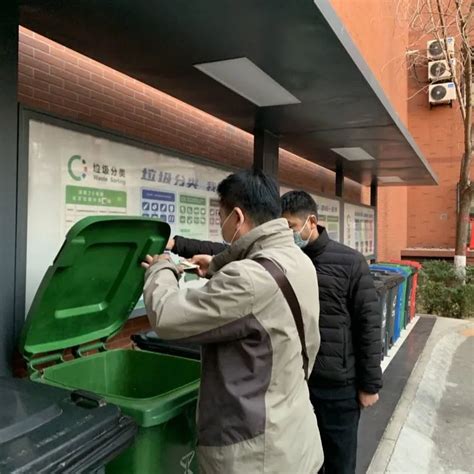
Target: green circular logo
{"x": 77, "y": 168}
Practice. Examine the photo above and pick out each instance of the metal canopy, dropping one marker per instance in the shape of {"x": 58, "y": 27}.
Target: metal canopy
{"x": 300, "y": 45}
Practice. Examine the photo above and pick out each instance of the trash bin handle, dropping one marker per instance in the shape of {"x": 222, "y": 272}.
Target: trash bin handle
{"x": 86, "y": 399}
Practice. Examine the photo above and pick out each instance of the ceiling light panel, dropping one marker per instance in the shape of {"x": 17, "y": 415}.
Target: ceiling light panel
{"x": 246, "y": 79}
{"x": 391, "y": 179}
{"x": 353, "y": 154}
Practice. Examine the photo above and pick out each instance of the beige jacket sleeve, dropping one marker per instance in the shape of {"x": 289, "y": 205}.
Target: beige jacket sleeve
{"x": 206, "y": 314}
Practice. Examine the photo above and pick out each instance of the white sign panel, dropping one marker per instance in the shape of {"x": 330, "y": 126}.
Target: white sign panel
{"x": 329, "y": 215}
{"x": 359, "y": 228}
{"x": 74, "y": 174}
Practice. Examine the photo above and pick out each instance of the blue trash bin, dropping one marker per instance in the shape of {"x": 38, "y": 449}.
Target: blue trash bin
{"x": 399, "y": 322}
{"x": 391, "y": 281}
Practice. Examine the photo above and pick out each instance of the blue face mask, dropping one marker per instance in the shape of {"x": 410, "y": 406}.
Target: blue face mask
{"x": 299, "y": 241}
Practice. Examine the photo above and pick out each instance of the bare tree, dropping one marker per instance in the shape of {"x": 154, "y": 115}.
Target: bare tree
{"x": 441, "y": 20}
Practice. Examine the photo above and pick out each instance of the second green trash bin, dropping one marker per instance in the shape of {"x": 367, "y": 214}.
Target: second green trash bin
{"x": 410, "y": 274}
{"x": 84, "y": 299}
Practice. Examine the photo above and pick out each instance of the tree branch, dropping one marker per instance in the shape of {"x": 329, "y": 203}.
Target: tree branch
{"x": 463, "y": 22}
{"x": 448, "y": 59}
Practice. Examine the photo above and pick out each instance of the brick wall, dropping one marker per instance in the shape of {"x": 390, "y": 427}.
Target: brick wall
{"x": 392, "y": 222}
{"x": 432, "y": 211}
{"x": 69, "y": 85}
{"x": 439, "y": 133}
{"x": 428, "y": 219}
{"x": 382, "y": 40}
{"x": 121, "y": 340}
{"x": 132, "y": 326}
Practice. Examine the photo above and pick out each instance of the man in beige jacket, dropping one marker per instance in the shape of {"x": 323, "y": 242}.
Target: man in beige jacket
{"x": 257, "y": 321}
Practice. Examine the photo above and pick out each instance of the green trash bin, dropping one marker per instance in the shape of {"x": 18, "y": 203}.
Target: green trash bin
{"x": 84, "y": 299}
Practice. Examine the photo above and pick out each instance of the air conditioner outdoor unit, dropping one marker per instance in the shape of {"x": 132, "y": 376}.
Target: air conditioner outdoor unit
{"x": 442, "y": 93}
{"x": 440, "y": 70}
{"x": 435, "y": 49}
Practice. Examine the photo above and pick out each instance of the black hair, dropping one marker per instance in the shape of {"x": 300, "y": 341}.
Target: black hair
{"x": 299, "y": 203}
{"x": 254, "y": 192}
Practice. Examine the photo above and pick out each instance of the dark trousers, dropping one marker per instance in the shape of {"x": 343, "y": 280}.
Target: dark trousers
{"x": 338, "y": 421}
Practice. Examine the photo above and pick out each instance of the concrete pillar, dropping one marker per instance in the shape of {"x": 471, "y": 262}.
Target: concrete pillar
{"x": 374, "y": 193}
{"x": 265, "y": 152}
{"x": 8, "y": 178}
{"x": 339, "y": 179}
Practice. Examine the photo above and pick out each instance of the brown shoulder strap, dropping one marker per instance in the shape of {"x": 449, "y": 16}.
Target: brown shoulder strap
{"x": 290, "y": 296}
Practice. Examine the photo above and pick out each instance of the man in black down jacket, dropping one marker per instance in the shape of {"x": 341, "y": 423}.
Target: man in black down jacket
{"x": 347, "y": 373}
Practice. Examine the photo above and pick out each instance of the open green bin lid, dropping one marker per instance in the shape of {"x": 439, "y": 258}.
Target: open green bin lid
{"x": 94, "y": 283}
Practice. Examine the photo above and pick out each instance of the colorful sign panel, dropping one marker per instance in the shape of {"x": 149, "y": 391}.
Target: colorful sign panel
{"x": 75, "y": 174}
{"x": 359, "y": 228}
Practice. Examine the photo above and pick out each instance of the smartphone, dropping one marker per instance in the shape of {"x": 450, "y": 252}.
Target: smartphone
{"x": 188, "y": 266}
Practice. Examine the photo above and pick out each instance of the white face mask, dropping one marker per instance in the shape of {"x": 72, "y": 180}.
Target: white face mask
{"x": 299, "y": 241}
{"x": 235, "y": 233}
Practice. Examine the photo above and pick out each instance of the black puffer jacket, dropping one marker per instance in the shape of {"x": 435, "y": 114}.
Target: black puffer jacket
{"x": 187, "y": 248}
{"x": 349, "y": 320}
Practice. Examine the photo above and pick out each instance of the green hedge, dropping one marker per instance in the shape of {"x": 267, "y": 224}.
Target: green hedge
{"x": 443, "y": 293}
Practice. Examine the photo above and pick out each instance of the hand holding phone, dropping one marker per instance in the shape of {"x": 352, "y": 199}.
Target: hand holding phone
{"x": 202, "y": 262}
{"x": 187, "y": 265}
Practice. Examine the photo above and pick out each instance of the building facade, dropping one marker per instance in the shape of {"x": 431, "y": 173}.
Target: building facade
{"x": 48, "y": 79}
{"x": 68, "y": 85}
{"x": 419, "y": 217}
